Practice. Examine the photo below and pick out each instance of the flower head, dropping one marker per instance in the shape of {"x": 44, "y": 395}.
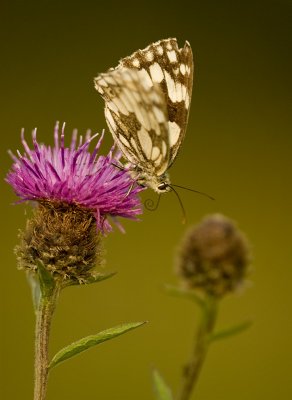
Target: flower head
{"x": 74, "y": 175}
{"x": 213, "y": 256}
{"x": 63, "y": 237}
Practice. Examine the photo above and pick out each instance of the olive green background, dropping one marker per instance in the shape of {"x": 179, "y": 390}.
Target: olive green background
{"x": 237, "y": 148}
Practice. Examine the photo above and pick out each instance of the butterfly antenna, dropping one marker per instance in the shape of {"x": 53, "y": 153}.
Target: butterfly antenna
{"x": 150, "y": 205}
{"x": 184, "y": 219}
{"x": 195, "y": 191}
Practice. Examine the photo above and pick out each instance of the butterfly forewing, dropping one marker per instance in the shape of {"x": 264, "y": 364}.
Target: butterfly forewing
{"x": 137, "y": 116}
{"x": 172, "y": 69}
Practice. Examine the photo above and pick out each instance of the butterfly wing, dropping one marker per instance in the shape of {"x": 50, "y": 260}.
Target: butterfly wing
{"x": 136, "y": 114}
{"x": 170, "y": 67}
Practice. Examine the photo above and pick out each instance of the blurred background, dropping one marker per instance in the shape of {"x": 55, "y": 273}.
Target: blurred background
{"x": 237, "y": 149}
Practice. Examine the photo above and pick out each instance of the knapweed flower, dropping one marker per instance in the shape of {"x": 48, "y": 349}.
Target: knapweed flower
{"x": 73, "y": 175}
{"x": 213, "y": 256}
{"x": 76, "y": 191}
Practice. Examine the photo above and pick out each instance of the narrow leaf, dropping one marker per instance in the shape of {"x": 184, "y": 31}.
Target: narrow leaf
{"x": 234, "y": 330}
{"x": 184, "y": 293}
{"x": 162, "y": 391}
{"x": 98, "y": 277}
{"x": 89, "y": 341}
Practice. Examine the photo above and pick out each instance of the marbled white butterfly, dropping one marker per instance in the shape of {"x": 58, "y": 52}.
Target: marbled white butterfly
{"x": 147, "y": 100}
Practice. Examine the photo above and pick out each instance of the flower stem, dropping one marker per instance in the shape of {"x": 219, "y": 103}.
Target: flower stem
{"x": 44, "y": 315}
{"x": 194, "y": 366}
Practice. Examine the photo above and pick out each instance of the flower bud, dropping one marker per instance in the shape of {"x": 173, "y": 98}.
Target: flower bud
{"x": 213, "y": 256}
{"x": 64, "y": 237}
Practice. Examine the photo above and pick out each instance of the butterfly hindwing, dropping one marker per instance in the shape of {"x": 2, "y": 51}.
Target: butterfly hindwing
{"x": 136, "y": 114}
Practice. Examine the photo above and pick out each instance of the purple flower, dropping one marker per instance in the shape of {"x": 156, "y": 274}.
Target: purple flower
{"x": 75, "y": 175}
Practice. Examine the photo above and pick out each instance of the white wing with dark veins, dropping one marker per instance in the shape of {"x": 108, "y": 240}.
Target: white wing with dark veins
{"x": 136, "y": 114}
{"x": 147, "y": 101}
{"x": 171, "y": 67}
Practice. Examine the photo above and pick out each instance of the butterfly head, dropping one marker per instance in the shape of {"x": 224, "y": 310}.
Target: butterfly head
{"x": 159, "y": 184}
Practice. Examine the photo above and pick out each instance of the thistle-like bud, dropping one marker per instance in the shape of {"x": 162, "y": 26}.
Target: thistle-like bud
{"x": 64, "y": 238}
{"x": 213, "y": 256}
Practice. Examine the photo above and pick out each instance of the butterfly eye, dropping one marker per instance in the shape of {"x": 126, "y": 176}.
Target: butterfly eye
{"x": 163, "y": 186}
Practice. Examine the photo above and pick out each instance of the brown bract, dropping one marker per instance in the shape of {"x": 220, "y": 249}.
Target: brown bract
{"x": 64, "y": 238}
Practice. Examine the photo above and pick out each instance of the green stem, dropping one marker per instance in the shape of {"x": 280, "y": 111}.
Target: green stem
{"x": 194, "y": 366}
{"x": 44, "y": 315}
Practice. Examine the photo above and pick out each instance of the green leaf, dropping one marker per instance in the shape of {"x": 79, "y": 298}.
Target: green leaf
{"x": 47, "y": 282}
{"x": 234, "y": 330}
{"x": 185, "y": 293}
{"x": 98, "y": 277}
{"x": 162, "y": 391}
{"x": 89, "y": 341}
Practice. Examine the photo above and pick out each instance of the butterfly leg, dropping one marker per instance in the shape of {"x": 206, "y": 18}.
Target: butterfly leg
{"x": 135, "y": 180}
{"x": 130, "y": 189}
{"x": 120, "y": 167}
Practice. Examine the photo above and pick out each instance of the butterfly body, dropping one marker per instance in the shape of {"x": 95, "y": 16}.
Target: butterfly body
{"x": 147, "y": 99}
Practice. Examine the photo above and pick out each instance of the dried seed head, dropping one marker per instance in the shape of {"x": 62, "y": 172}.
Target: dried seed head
{"x": 64, "y": 237}
{"x": 213, "y": 256}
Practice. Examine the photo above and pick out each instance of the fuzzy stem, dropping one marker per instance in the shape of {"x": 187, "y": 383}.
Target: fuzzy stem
{"x": 44, "y": 315}
{"x": 194, "y": 366}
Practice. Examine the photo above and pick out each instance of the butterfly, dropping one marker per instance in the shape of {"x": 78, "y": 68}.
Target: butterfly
{"x": 147, "y": 101}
